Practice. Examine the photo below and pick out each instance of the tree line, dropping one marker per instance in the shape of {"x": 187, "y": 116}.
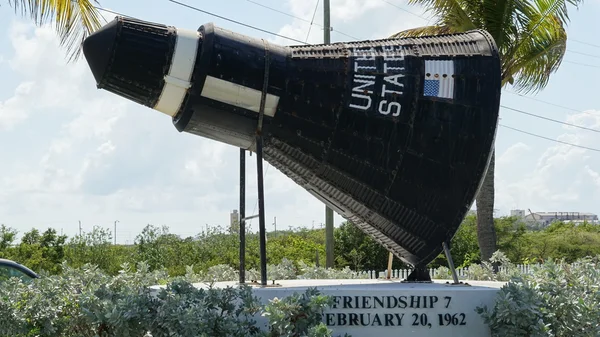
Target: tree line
{"x": 155, "y": 245}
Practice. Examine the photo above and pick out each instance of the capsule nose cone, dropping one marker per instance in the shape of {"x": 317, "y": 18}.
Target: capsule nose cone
{"x": 98, "y": 49}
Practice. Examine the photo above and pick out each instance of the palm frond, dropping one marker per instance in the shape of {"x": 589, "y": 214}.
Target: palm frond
{"x": 537, "y": 57}
{"x": 498, "y": 19}
{"x": 74, "y": 20}
{"x": 423, "y": 31}
{"x": 474, "y": 10}
{"x": 453, "y": 13}
{"x": 536, "y": 14}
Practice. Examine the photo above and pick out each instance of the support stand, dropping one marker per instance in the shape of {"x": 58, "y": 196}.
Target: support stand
{"x": 260, "y": 181}
{"x": 450, "y": 263}
{"x": 242, "y": 216}
{"x": 261, "y": 213}
{"x": 419, "y": 275}
{"x": 261, "y": 210}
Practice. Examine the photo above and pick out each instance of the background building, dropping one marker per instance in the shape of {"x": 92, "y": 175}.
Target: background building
{"x": 234, "y": 221}
{"x": 519, "y": 213}
{"x": 543, "y": 219}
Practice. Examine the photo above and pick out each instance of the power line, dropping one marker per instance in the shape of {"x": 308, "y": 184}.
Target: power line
{"x": 279, "y": 11}
{"x": 549, "y": 103}
{"x": 585, "y": 54}
{"x": 112, "y": 12}
{"x": 586, "y": 43}
{"x": 234, "y": 21}
{"x": 405, "y": 10}
{"x": 108, "y": 11}
{"x": 582, "y": 64}
{"x": 542, "y": 101}
{"x": 312, "y": 20}
{"x": 301, "y": 19}
{"x": 550, "y": 119}
{"x": 550, "y": 139}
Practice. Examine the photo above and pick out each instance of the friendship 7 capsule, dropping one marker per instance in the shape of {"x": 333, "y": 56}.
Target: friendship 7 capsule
{"x": 395, "y": 134}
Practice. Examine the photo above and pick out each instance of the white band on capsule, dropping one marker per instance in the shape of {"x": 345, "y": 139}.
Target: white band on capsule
{"x": 177, "y": 81}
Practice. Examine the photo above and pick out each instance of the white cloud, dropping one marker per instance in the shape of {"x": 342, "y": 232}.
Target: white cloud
{"x": 14, "y": 110}
{"x": 594, "y": 175}
{"x": 556, "y": 178}
{"x": 512, "y": 155}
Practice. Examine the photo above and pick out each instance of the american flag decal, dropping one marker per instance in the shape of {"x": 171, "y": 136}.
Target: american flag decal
{"x": 439, "y": 79}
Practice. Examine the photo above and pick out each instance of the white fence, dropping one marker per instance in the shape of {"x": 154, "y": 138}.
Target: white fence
{"x": 403, "y": 273}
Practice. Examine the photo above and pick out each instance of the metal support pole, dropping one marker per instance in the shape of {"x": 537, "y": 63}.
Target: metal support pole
{"x": 242, "y": 216}
{"x": 329, "y": 257}
{"x": 261, "y": 210}
{"x": 115, "y": 232}
{"x": 326, "y": 21}
{"x": 450, "y": 263}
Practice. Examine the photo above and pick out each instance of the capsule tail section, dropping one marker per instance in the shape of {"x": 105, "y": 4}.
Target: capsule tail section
{"x": 148, "y": 63}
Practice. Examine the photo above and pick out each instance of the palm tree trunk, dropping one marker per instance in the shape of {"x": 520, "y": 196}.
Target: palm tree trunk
{"x": 486, "y": 233}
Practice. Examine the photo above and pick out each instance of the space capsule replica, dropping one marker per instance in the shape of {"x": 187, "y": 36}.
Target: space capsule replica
{"x": 395, "y": 134}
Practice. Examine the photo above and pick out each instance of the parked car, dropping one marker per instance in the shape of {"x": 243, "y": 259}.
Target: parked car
{"x": 9, "y": 268}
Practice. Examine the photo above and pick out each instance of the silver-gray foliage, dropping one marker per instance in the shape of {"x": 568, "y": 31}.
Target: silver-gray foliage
{"x": 86, "y": 302}
{"x": 285, "y": 270}
{"x": 555, "y": 300}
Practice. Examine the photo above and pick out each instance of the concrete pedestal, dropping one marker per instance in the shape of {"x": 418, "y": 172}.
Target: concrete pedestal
{"x": 386, "y": 308}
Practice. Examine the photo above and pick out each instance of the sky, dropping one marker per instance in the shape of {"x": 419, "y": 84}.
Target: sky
{"x": 71, "y": 154}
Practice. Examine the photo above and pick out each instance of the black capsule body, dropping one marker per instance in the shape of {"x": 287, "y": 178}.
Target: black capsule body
{"x": 395, "y": 135}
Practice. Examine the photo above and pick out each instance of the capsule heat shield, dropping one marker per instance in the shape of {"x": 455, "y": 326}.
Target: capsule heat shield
{"x": 395, "y": 135}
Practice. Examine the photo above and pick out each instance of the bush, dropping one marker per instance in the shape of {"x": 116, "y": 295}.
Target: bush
{"x": 87, "y": 302}
{"x": 556, "y": 299}
{"x": 286, "y": 270}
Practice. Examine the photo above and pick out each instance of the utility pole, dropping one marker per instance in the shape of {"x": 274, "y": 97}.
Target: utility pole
{"x": 328, "y": 211}
{"x": 326, "y": 22}
{"x": 79, "y": 227}
{"x": 275, "y": 224}
{"x": 115, "y": 232}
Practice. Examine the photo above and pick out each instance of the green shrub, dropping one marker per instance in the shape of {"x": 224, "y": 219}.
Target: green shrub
{"x": 87, "y": 302}
{"x": 298, "y": 315}
{"x": 556, "y": 299}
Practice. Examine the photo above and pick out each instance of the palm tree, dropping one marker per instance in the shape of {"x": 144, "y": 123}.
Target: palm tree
{"x": 531, "y": 39}
{"x": 74, "y": 20}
